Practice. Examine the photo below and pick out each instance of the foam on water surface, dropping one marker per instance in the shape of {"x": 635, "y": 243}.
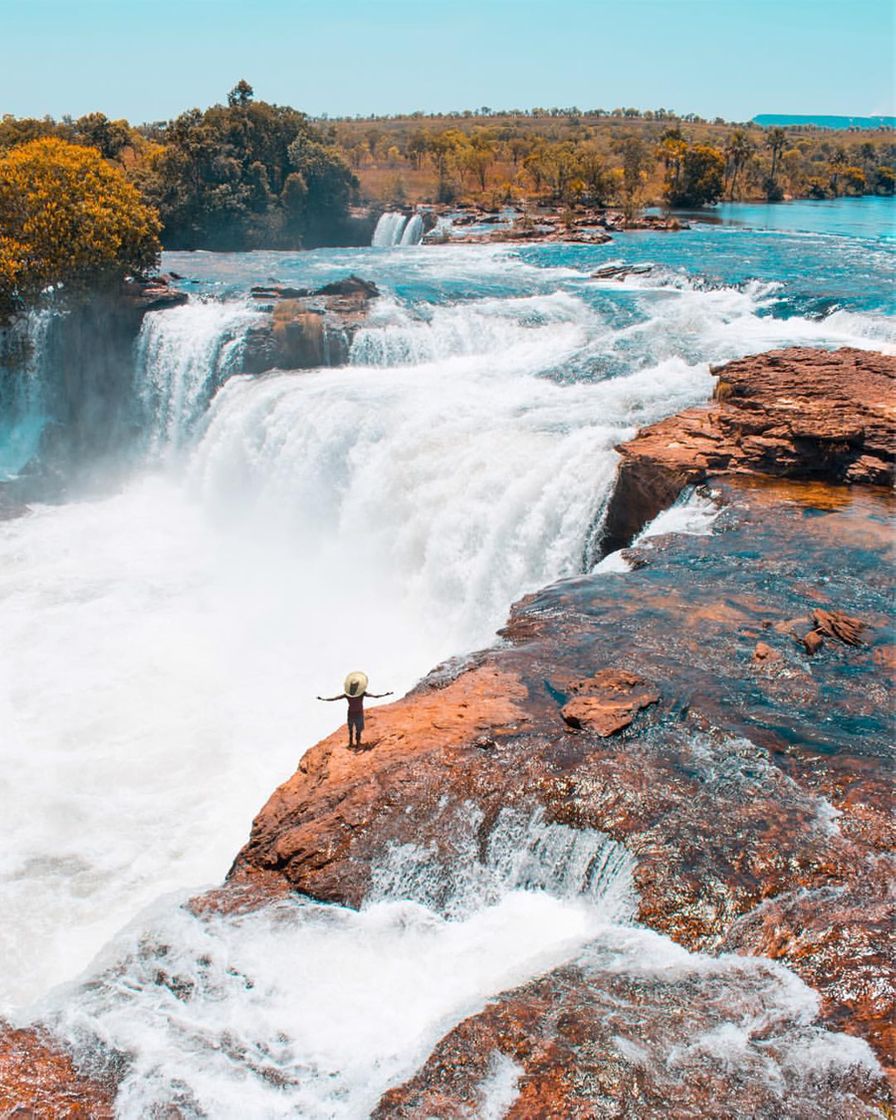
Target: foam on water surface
{"x": 383, "y": 515}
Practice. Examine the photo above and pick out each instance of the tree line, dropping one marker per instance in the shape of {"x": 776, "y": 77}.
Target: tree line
{"x": 624, "y": 158}
{"x": 243, "y": 175}
{"x": 86, "y": 201}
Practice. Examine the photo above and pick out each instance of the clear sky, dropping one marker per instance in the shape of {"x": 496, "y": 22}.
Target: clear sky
{"x": 150, "y": 59}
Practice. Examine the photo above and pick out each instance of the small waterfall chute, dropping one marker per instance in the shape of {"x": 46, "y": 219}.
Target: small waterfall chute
{"x": 389, "y": 230}
{"x": 413, "y": 231}
{"x": 183, "y": 356}
{"x": 24, "y": 389}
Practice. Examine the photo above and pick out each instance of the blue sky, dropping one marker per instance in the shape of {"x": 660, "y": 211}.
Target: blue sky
{"x": 150, "y": 59}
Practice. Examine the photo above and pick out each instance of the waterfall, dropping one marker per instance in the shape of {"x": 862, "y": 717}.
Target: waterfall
{"x": 523, "y": 852}
{"x": 388, "y": 230}
{"x": 24, "y": 377}
{"x": 182, "y": 356}
{"x": 413, "y": 231}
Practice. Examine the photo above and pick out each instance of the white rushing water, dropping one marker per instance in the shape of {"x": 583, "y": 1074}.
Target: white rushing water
{"x": 183, "y": 355}
{"x": 382, "y": 515}
{"x": 313, "y": 1011}
{"x": 388, "y": 230}
{"x": 163, "y": 646}
{"x": 23, "y": 409}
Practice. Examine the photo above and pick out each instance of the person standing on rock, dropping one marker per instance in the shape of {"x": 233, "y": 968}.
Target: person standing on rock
{"x": 355, "y": 691}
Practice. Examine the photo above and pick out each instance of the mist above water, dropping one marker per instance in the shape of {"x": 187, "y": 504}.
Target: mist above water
{"x": 164, "y": 643}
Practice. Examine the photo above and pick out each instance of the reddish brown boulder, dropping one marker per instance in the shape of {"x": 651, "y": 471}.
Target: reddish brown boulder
{"x": 796, "y": 413}
{"x": 764, "y": 654}
{"x": 308, "y": 329}
{"x": 39, "y": 1081}
{"x": 813, "y": 641}
{"x": 836, "y": 624}
{"x": 608, "y": 701}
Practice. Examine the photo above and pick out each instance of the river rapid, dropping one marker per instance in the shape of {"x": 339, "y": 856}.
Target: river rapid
{"x": 167, "y": 629}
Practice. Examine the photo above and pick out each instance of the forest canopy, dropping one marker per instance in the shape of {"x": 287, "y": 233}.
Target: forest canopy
{"x": 69, "y": 219}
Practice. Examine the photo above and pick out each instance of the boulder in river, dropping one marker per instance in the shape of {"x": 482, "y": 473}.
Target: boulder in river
{"x": 307, "y": 328}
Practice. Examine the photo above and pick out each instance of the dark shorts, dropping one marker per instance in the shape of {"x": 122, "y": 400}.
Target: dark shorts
{"x": 356, "y": 723}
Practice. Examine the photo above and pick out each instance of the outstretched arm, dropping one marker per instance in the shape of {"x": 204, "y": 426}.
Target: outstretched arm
{"x": 341, "y": 696}
{"x": 379, "y": 695}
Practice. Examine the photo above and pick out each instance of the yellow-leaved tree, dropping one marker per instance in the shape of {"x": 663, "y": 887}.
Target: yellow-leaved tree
{"x": 69, "y": 220}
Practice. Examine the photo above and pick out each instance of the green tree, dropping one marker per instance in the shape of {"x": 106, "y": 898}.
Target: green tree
{"x": 635, "y": 161}
{"x": 698, "y": 179}
{"x": 241, "y": 94}
{"x": 220, "y": 179}
{"x": 69, "y": 220}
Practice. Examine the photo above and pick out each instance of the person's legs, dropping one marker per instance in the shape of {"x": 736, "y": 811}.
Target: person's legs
{"x": 355, "y": 723}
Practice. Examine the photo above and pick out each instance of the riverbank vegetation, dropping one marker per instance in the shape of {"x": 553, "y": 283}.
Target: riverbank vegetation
{"x": 625, "y": 157}
{"x": 248, "y": 174}
{"x": 69, "y": 220}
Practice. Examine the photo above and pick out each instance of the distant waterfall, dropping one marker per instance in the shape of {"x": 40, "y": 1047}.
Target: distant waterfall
{"x": 413, "y": 231}
{"x": 389, "y": 230}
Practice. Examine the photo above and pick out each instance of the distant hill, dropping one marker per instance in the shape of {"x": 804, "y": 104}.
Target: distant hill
{"x": 782, "y": 120}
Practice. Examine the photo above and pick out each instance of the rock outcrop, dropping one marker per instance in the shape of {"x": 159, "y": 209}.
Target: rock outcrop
{"x": 678, "y": 709}
{"x": 682, "y": 714}
{"x": 798, "y": 413}
{"x": 38, "y": 1081}
{"x": 307, "y": 328}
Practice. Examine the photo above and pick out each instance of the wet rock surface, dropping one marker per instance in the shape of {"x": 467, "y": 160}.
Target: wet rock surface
{"x": 748, "y": 785}
{"x": 38, "y": 1081}
{"x": 798, "y": 413}
{"x": 307, "y": 328}
{"x": 592, "y": 1040}
{"x": 747, "y": 774}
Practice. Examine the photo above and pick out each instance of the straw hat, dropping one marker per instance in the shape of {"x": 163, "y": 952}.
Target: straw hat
{"x": 356, "y": 684}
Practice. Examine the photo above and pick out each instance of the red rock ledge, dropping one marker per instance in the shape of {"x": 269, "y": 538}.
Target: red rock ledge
{"x": 685, "y": 714}
{"x": 38, "y": 1081}
{"x": 798, "y": 413}
{"x": 680, "y": 709}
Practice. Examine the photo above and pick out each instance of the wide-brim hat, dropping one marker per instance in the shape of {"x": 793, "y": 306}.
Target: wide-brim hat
{"x": 359, "y": 681}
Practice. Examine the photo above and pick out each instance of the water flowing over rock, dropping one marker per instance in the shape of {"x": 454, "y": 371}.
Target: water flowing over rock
{"x": 686, "y": 743}
{"x": 724, "y": 737}
{"x": 389, "y": 230}
{"x": 413, "y": 231}
{"x": 38, "y": 1081}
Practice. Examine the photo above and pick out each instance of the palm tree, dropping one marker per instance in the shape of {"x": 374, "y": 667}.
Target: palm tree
{"x": 738, "y": 150}
{"x": 774, "y": 141}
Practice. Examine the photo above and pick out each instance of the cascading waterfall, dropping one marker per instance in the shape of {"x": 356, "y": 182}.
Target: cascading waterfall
{"x": 389, "y": 230}
{"x": 523, "y": 852}
{"x": 183, "y": 355}
{"x": 24, "y": 384}
{"x": 383, "y": 514}
{"x": 413, "y": 231}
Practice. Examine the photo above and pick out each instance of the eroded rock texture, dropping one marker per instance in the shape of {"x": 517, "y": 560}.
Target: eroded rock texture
{"x": 38, "y": 1081}
{"x": 308, "y": 329}
{"x": 798, "y": 413}
{"x": 751, "y": 793}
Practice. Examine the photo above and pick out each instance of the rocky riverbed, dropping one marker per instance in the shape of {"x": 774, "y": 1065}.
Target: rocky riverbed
{"x": 721, "y": 705}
